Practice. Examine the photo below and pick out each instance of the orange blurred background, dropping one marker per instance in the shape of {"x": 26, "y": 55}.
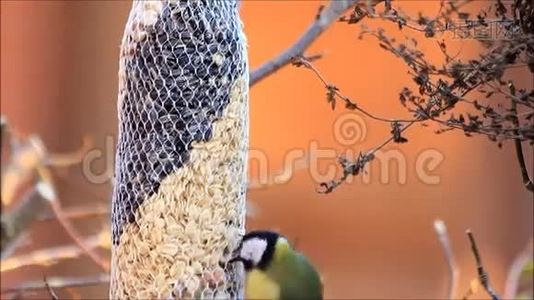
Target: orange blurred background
{"x": 370, "y": 239}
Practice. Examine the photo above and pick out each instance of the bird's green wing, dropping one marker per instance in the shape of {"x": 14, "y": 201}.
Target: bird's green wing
{"x": 297, "y": 278}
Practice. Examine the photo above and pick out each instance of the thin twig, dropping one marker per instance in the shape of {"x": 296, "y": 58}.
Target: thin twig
{"x": 27, "y": 155}
{"x": 15, "y": 222}
{"x": 73, "y": 233}
{"x": 49, "y": 256}
{"x": 301, "y": 61}
{"x": 48, "y": 192}
{"x": 50, "y": 290}
{"x": 58, "y": 282}
{"x": 513, "y": 98}
{"x": 80, "y": 212}
{"x": 351, "y": 169}
{"x": 484, "y": 130}
{"x": 20, "y": 169}
{"x": 22, "y": 239}
{"x": 482, "y": 274}
{"x": 441, "y": 231}
{"x": 529, "y": 185}
{"x": 327, "y": 16}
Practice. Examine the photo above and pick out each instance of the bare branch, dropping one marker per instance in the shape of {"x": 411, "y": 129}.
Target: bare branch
{"x": 47, "y": 190}
{"x": 333, "y": 91}
{"x": 325, "y": 18}
{"x": 439, "y": 99}
{"x": 441, "y": 231}
{"x": 529, "y": 185}
{"x": 17, "y": 220}
{"x": 22, "y": 239}
{"x": 79, "y": 212}
{"x": 50, "y": 290}
{"x": 26, "y": 156}
{"x": 49, "y": 256}
{"x": 482, "y": 274}
{"x": 58, "y": 282}
{"x": 20, "y": 169}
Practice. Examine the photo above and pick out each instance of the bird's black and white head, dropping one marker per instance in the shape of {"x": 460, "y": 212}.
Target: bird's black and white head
{"x": 256, "y": 249}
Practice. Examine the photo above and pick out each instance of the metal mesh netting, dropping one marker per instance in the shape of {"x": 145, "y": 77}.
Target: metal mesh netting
{"x": 179, "y": 196}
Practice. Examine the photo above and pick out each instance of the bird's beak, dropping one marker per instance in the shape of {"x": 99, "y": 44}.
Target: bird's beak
{"x": 235, "y": 256}
{"x": 234, "y": 259}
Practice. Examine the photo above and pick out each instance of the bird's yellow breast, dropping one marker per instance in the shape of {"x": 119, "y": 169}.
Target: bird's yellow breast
{"x": 260, "y": 286}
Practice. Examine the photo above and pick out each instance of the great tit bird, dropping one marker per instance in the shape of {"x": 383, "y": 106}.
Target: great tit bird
{"x": 275, "y": 270}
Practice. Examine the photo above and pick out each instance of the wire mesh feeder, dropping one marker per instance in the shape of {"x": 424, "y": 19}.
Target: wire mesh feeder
{"x": 179, "y": 195}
